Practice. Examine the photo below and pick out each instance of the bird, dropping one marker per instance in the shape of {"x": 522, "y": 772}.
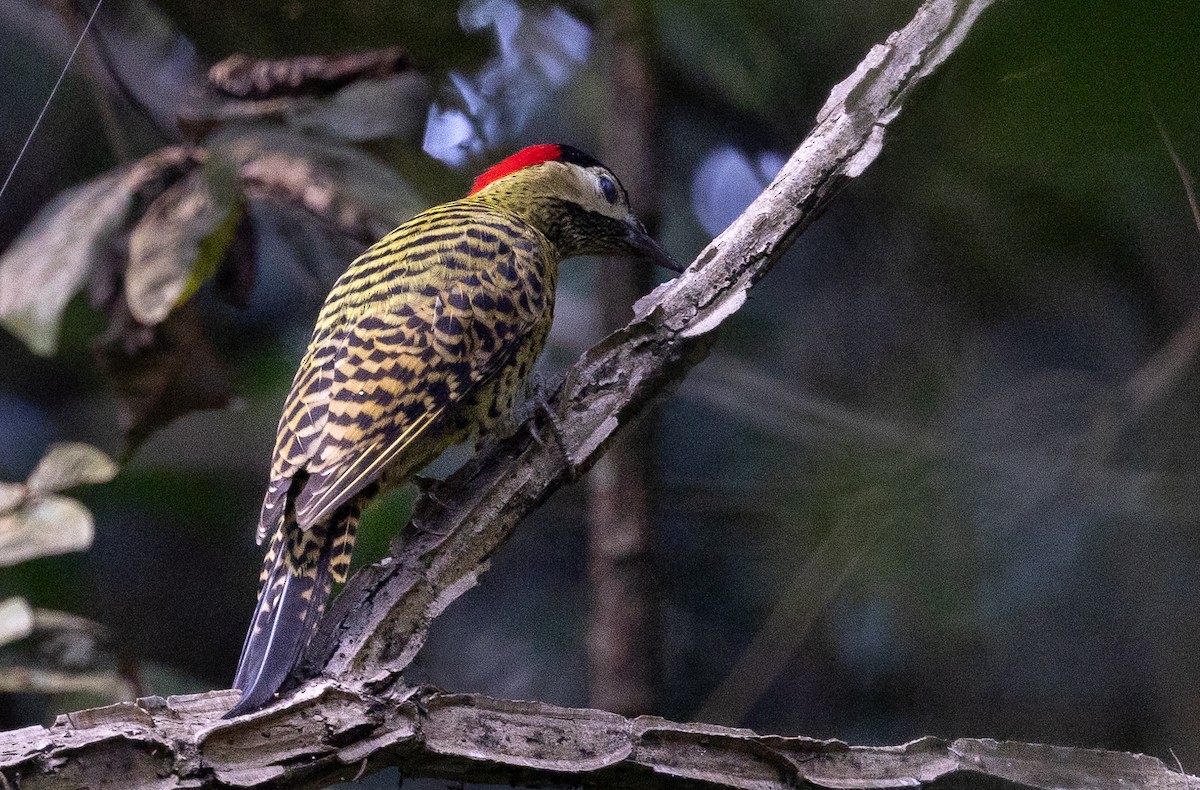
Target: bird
{"x": 427, "y": 338}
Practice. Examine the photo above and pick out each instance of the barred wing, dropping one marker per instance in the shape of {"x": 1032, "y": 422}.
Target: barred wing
{"x": 373, "y": 384}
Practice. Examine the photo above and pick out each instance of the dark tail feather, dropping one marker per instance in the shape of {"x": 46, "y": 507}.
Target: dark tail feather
{"x": 290, "y": 602}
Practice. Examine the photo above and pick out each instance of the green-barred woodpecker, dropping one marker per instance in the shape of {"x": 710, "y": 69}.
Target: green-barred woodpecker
{"x": 427, "y": 337}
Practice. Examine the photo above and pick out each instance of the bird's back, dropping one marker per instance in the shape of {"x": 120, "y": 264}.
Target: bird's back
{"x": 408, "y": 341}
{"x": 426, "y": 337}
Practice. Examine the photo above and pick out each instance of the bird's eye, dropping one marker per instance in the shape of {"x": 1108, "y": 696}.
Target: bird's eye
{"x": 609, "y": 189}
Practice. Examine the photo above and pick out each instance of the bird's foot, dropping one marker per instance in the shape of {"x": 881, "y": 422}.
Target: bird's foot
{"x": 538, "y": 397}
{"x": 428, "y": 504}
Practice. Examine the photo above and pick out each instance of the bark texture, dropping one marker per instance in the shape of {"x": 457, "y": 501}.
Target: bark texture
{"x": 623, "y": 634}
{"x": 379, "y": 621}
{"x": 327, "y": 734}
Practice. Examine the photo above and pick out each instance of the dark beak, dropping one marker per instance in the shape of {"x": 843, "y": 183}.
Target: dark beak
{"x": 644, "y": 244}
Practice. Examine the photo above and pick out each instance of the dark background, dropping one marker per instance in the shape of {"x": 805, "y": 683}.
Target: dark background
{"x": 913, "y": 443}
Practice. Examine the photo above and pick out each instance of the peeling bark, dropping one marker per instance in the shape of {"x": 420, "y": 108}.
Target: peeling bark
{"x": 379, "y": 621}
{"x": 327, "y": 733}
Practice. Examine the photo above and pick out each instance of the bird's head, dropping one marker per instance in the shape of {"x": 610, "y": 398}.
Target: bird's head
{"x": 573, "y": 199}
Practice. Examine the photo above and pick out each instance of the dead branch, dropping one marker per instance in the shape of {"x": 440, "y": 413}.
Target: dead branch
{"x": 249, "y": 78}
{"x": 327, "y": 733}
{"x": 379, "y": 622}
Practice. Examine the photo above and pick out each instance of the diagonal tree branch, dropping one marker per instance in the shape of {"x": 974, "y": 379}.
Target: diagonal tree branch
{"x": 379, "y": 622}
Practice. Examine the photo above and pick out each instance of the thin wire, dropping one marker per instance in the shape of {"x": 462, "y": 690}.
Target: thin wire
{"x": 50, "y": 98}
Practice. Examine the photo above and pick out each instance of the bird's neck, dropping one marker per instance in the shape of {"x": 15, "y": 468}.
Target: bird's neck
{"x": 554, "y": 218}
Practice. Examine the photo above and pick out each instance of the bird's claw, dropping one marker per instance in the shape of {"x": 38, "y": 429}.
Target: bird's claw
{"x": 541, "y": 406}
{"x": 427, "y": 486}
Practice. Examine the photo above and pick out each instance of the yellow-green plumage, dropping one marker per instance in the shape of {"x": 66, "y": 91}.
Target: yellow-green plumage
{"x": 428, "y": 336}
{"x": 404, "y": 357}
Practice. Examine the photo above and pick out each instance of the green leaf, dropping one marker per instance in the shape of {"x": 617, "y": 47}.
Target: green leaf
{"x": 181, "y": 240}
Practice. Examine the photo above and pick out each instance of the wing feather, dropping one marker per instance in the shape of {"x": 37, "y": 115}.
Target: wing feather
{"x": 377, "y": 381}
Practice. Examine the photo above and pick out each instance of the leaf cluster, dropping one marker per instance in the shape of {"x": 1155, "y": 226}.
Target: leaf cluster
{"x": 255, "y": 147}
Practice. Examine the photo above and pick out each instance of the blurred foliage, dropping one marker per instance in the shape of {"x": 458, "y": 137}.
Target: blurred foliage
{"x": 44, "y": 651}
{"x": 144, "y": 238}
{"x": 932, "y": 383}
{"x": 35, "y": 520}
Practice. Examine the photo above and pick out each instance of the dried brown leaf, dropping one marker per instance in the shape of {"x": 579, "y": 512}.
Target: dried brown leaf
{"x": 11, "y": 495}
{"x": 42, "y": 527}
{"x": 366, "y": 96}
{"x": 57, "y": 652}
{"x": 72, "y": 239}
{"x": 16, "y": 620}
{"x": 181, "y": 241}
{"x": 48, "y": 263}
{"x": 250, "y": 78}
{"x": 38, "y": 680}
{"x": 162, "y": 372}
{"x": 356, "y": 193}
{"x": 365, "y": 110}
{"x": 69, "y": 464}
{"x": 35, "y": 521}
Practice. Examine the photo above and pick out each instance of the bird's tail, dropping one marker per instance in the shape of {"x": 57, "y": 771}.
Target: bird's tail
{"x": 298, "y": 572}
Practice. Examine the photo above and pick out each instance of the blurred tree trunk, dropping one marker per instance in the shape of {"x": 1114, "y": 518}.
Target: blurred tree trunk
{"x": 623, "y": 632}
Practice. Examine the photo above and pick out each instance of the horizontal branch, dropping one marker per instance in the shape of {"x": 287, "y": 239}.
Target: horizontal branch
{"x": 329, "y": 734}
